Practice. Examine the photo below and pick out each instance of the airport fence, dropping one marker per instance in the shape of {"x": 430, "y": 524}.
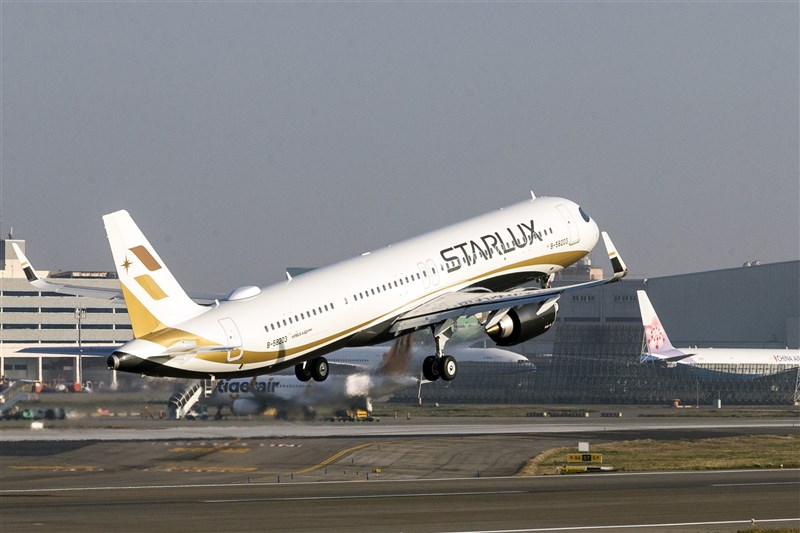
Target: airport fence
{"x": 599, "y": 364}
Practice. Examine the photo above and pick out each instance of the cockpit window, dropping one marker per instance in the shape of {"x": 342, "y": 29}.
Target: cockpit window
{"x": 583, "y": 214}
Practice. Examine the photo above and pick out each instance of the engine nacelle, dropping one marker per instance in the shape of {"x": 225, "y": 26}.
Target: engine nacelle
{"x": 245, "y": 406}
{"x": 522, "y": 324}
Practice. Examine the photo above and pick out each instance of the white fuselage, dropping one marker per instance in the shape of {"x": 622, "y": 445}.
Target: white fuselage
{"x": 741, "y": 356}
{"x": 356, "y": 374}
{"x": 354, "y": 302}
{"x": 746, "y": 361}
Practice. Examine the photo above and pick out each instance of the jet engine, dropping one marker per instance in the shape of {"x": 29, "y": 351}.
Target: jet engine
{"x": 245, "y": 406}
{"x": 522, "y": 324}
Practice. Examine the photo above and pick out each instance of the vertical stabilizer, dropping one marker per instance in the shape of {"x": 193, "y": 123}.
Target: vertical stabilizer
{"x": 396, "y": 360}
{"x": 153, "y": 296}
{"x": 658, "y": 343}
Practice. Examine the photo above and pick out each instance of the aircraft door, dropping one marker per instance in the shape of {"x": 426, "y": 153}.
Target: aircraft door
{"x": 574, "y": 234}
{"x": 232, "y": 338}
{"x": 424, "y": 275}
{"x": 432, "y": 271}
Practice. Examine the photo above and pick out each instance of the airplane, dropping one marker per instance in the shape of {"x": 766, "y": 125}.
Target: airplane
{"x": 358, "y": 376}
{"x": 466, "y": 269}
{"x": 659, "y": 348}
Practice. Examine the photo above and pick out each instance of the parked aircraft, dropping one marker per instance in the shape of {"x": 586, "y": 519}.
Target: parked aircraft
{"x": 744, "y": 360}
{"x": 428, "y": 281}
{"x": 358, "y": 376}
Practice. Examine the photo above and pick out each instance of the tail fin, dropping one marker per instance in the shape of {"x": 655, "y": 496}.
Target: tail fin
{"x": 396, "y": 360}
{"x": 153, "y": 297}
{"x": 658, "y": 344}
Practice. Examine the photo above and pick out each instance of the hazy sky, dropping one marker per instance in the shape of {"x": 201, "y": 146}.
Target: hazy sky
{"x": 247, "y": 137}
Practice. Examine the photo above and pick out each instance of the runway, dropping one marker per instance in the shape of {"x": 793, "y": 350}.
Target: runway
{"x": 148, "y": 430}
{"x": 689, "y": 501}
{"x": 432, "y": 475}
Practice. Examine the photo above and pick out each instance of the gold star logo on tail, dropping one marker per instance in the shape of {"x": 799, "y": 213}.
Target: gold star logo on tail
{"x": 126, "y": 264}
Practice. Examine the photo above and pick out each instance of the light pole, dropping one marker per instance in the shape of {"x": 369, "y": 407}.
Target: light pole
{"x": 80, "y": 314}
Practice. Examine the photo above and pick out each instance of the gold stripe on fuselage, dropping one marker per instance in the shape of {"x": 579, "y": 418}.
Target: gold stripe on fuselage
{"x": 562, "y": 259}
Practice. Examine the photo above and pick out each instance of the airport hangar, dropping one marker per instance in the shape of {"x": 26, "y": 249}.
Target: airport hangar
{"x": 598, "y": 332}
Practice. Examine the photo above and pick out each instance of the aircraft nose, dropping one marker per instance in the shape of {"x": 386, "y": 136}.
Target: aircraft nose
{"x": 594, "y": 232}
{"x": 590, "y": 233}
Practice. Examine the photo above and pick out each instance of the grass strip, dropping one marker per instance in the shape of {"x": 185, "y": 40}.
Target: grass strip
{"x": 647, "y": 455}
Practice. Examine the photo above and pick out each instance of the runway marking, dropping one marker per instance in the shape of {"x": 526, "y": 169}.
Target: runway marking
{"x": 60, "y": 468}
{"x": 205, "y": 449}
{"x": 222, "y": 447}
{"x": 361, "y": 497}
{"x": 546, "y": 479}
{"x": 176, "y": 468}
{"x": 333, "y": 458}
{"x": 756, "y": 484}
{"x": 634, "y": 526}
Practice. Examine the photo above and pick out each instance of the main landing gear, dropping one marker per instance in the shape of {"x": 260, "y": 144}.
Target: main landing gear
{"x": 317, "y": 369}
{"x": 434, "y": 367}
{"x": 440, "y": 365}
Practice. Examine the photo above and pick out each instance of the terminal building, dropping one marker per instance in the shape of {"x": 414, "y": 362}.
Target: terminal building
{"x": 598, "y": 332}
{"x": 34, "y": 319}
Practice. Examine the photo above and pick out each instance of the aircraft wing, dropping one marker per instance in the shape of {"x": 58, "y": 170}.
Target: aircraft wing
{"x": 348, "y": 368}
{"x": 103, "y": 350}
{"x": 672, "y": 356}
{"x": 456, "y": 304}
{"x": 105, "y": 293}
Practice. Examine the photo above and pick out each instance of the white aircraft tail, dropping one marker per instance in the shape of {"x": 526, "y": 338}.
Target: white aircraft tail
{"x": 658, "y": 344}
{"x": 153, "y": 296}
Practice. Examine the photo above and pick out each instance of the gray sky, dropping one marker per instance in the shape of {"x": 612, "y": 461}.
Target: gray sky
{"x": 247, "y": 137}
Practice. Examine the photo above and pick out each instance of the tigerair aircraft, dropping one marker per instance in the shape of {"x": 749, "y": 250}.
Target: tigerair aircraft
{"x": 427, "y": 282}
{"x": 358, "y": 376}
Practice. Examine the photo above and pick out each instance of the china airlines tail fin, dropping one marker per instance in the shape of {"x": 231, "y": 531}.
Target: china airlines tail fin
{"x": 153, "y": 297}
{"x": 659, "y": 346}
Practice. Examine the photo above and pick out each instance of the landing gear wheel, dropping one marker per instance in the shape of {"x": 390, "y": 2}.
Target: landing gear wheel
{"x": 302, "y": 371}
{"x": 319, "y": 368}
{"x": 430, "y": 368}
{"x": 447, "y": 367}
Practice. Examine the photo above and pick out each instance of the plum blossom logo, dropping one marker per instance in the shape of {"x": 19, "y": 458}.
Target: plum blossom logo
{"x": 654, "y": 333}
